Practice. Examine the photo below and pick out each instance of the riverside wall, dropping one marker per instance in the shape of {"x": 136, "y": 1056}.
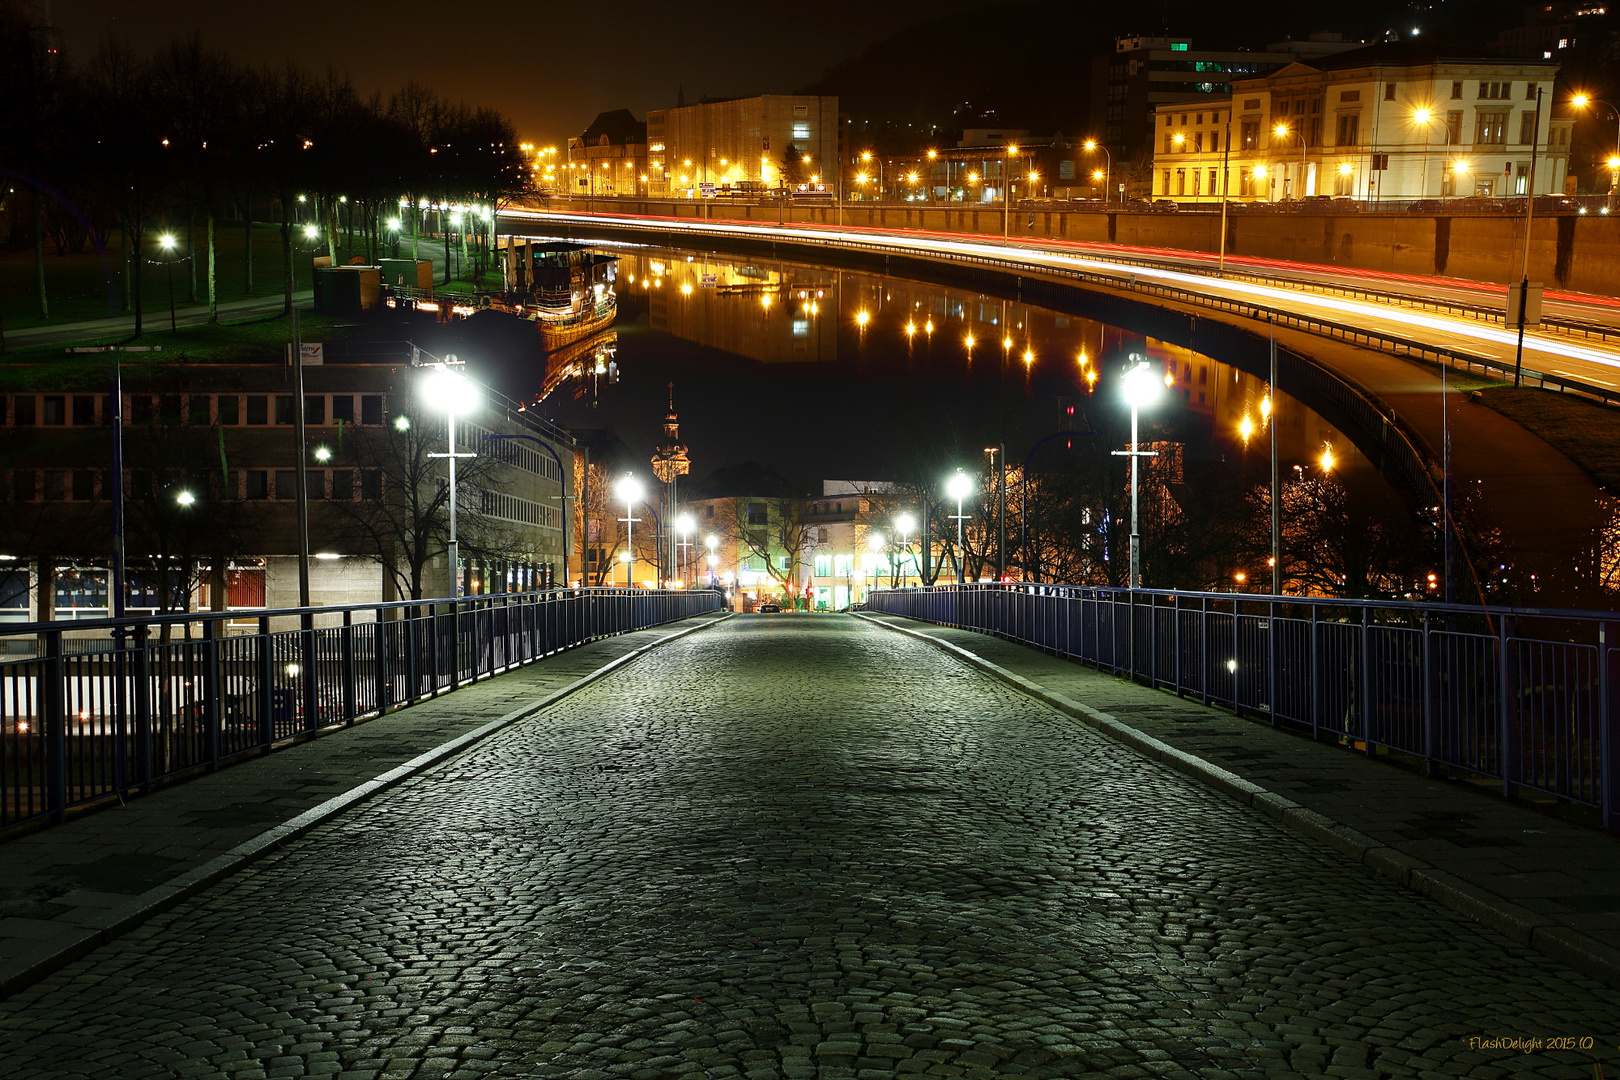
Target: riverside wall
{"x": 1575, "y": 253}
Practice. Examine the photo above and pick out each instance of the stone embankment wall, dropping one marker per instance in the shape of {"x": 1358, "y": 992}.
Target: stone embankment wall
{"x": 1575, "y": 253}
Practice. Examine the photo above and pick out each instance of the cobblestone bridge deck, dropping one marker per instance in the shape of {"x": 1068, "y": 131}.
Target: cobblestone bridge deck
{"x": 803, "y": 847}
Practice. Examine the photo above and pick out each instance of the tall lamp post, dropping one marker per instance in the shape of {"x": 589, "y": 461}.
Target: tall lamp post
{"x": 1141, "y": 388}
{"x": 711, "y": 542}
{"x": 1006, "y": 189}
{"x": 959, "y": 487}
{"x": 876, "y": 543}
{"x": 684, "y": 525}
{"x": 629, "y": 491}
{"x": 454, "y": 393}
{"x": 1092, "y": 147}
{"x": 167, "y": 243}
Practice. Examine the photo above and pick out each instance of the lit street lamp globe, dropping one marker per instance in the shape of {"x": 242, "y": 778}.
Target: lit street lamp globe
{"x": 628, "y": 490}
{"x": 451, "y": 392}
{"x": 959, "y": 486}
{"x": 905, "y": 523}
{"x": 1141, "y": 387}
{"x": 875, "y": 541}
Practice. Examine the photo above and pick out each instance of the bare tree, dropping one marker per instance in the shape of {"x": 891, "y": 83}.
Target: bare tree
{"x": 777, "y": 531}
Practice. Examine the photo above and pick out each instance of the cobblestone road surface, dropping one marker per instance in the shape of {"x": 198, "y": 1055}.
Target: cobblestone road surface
{"x": 803, "y": 847}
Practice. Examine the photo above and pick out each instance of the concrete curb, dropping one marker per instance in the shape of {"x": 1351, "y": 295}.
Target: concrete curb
{"x": 117, "y": 921}
{"x": 1585, "y": 954}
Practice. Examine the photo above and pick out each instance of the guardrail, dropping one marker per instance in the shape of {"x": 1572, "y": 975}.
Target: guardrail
{"x": 1392, "y": 344}
{"x": 80, "y": 727}
{"x": 1524, "y": 697}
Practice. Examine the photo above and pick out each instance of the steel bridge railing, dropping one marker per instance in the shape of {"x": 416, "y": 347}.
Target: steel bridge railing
{"x": 81, "y": 725}
{"x": 1520, "y": 696}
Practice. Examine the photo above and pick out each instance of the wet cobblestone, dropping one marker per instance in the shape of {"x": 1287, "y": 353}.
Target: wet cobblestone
{"x": 808, "y": 849}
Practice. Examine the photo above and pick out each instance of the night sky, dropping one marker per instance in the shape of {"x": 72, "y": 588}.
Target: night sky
{"x": 551, "y": 67}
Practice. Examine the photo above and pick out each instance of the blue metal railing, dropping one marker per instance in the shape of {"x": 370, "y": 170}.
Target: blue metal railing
{"x": 79, "y": 727}
{"x": 1522, "y": 696}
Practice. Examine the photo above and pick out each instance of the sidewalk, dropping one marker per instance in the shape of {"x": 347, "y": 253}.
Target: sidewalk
{"x": 1552, "y": 886}
{"x": 74, "y": 887}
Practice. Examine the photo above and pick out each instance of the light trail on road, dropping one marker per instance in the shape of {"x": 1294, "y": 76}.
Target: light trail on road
{"x": 1496, "y": 343}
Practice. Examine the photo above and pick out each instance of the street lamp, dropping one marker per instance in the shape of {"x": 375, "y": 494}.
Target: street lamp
{"x": 711, "y": 542}
{"x": 959, "y": 487}
{"x": 185, "y": 498}
{"x": 1581, "y": 101}
{"x": 903, "y": 525}
{"x": 1008, "y": 154}
{"x": 1092, "y": 146}
{"x": 451, "y": 391}
{"x": 1284, "y": 131}
{"x": 167, "y": 242}
{"x": 628, "y": 491}
{"x": 1141, "y": 389}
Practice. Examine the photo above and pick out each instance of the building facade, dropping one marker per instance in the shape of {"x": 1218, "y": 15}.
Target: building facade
{"x": 1400, "y": 121}
{"x": 608, "y": 158}
{"x": 742, "y": 144}
{"x": 1146, "y": 73}
{"x": 210, "y": 491}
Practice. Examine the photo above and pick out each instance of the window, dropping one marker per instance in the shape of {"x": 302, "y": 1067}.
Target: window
{"x": 54, "y": 409}
{"x": 1181, "y": 181}
{"x": 1527, "y": 128}
{"x": 284, "y": 409}
{"x": 1164, "y": 187}
{"x": 371, "y": 409}
{"x": 1348, "y": 130}
{"x": 1212, "y": 175}
{"x": 801, "y": 131}
{"x": 371, "y": 484}
{"x": 757, "y": 515}
{"x": 84, "y": 409}
{"x": 55, "y": 484}
{"x": 1349, "y": 95}
{"x": 314, "y": 409}
{"x": 1249, "y": 134}
{"x": 1389, "y": 91}
{"x": 315, "y": 484}
{"x": 1198, "y": 142}
{"x": 1456, "y": 91}
{"x": 343, "y": 408}
{"x": 22, "y": 485}
{"x": 343, "y": 484}
{"x": 286, "y": 484}
{"x": 258, "y": 409}
{"x": 1491, "y": 128}
{"x": 256, "y": 484}
{"x": 1344, "y": 183}
{"x": 84, "y": 485}
{"x": 171, "y": 405}
{"x": 25, "y": 411}
{"x": 1454, "y": 128}
{"x": 1529, "y": 91}
{"x": 1521, "y": 179}
{"x": 228, "y": 412}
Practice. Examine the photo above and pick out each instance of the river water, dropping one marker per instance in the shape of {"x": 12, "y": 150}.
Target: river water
{"x": 816, "y": 374}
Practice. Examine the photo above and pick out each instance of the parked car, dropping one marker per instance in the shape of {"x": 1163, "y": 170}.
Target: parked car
{"x": 770, "y": 607}
{"x": 1426, "y": 206}
{"x": 1165, "y": 206}
{"x": 1477, "y": 204}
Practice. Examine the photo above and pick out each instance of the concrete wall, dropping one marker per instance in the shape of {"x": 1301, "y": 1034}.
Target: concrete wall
{"x": 1577, "y": 253}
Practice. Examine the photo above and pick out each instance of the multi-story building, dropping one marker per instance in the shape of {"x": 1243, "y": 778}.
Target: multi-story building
{"x": 742, "y": 144}
{"x": 609, "y": 157}
{"x": 1397, "y": 121}
{"x": 1146, "y": 73}
{"x": 1551, "y": 28}
{"x": 210, "y": 486}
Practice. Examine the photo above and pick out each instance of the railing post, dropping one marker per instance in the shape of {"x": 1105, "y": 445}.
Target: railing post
{"x": 213, "y": 715}
{"x": 1365, "y": 683}
{"x": 53, "y": 717}
{"x": 312, "y": 676}
{"x": 382, "y": 692}
{"x": 1508, "y": 737}
{"x": 350, "y": 689}
{"x": 1237, "y": 668}
{"x": 266, "y": 689}
{"x": 145, "y": 750}
{"x": 1315, "y": 696}
{"x": 1203, "y": 649}
{"x": 1271, "y": 660}
{"x": 1608, "y": 730}
{"x": 1430, "y": 675}
{"x": 435, "y": 665}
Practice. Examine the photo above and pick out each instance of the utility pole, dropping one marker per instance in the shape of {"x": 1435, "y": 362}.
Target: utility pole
{"x": 1529, "y": 214}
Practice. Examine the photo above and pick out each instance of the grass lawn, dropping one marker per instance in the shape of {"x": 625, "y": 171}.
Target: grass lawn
{"x": 78, "y": 285}
{"x": 1583, "y": 431}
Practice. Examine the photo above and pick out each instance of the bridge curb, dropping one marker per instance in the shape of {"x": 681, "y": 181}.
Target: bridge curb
{"x": 117, "y": 921}
{"x": 1585, "y": 954}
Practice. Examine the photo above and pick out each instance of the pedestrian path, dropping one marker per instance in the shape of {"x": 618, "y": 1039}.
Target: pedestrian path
{"x": 1541, "y": 881}
{"x": 806, "y": 848}
{"x": 62, "y": 887}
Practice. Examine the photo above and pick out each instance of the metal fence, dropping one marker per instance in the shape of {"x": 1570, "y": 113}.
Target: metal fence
{"x": 78, "y": 726}
{"x": 1520, "y": 696}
